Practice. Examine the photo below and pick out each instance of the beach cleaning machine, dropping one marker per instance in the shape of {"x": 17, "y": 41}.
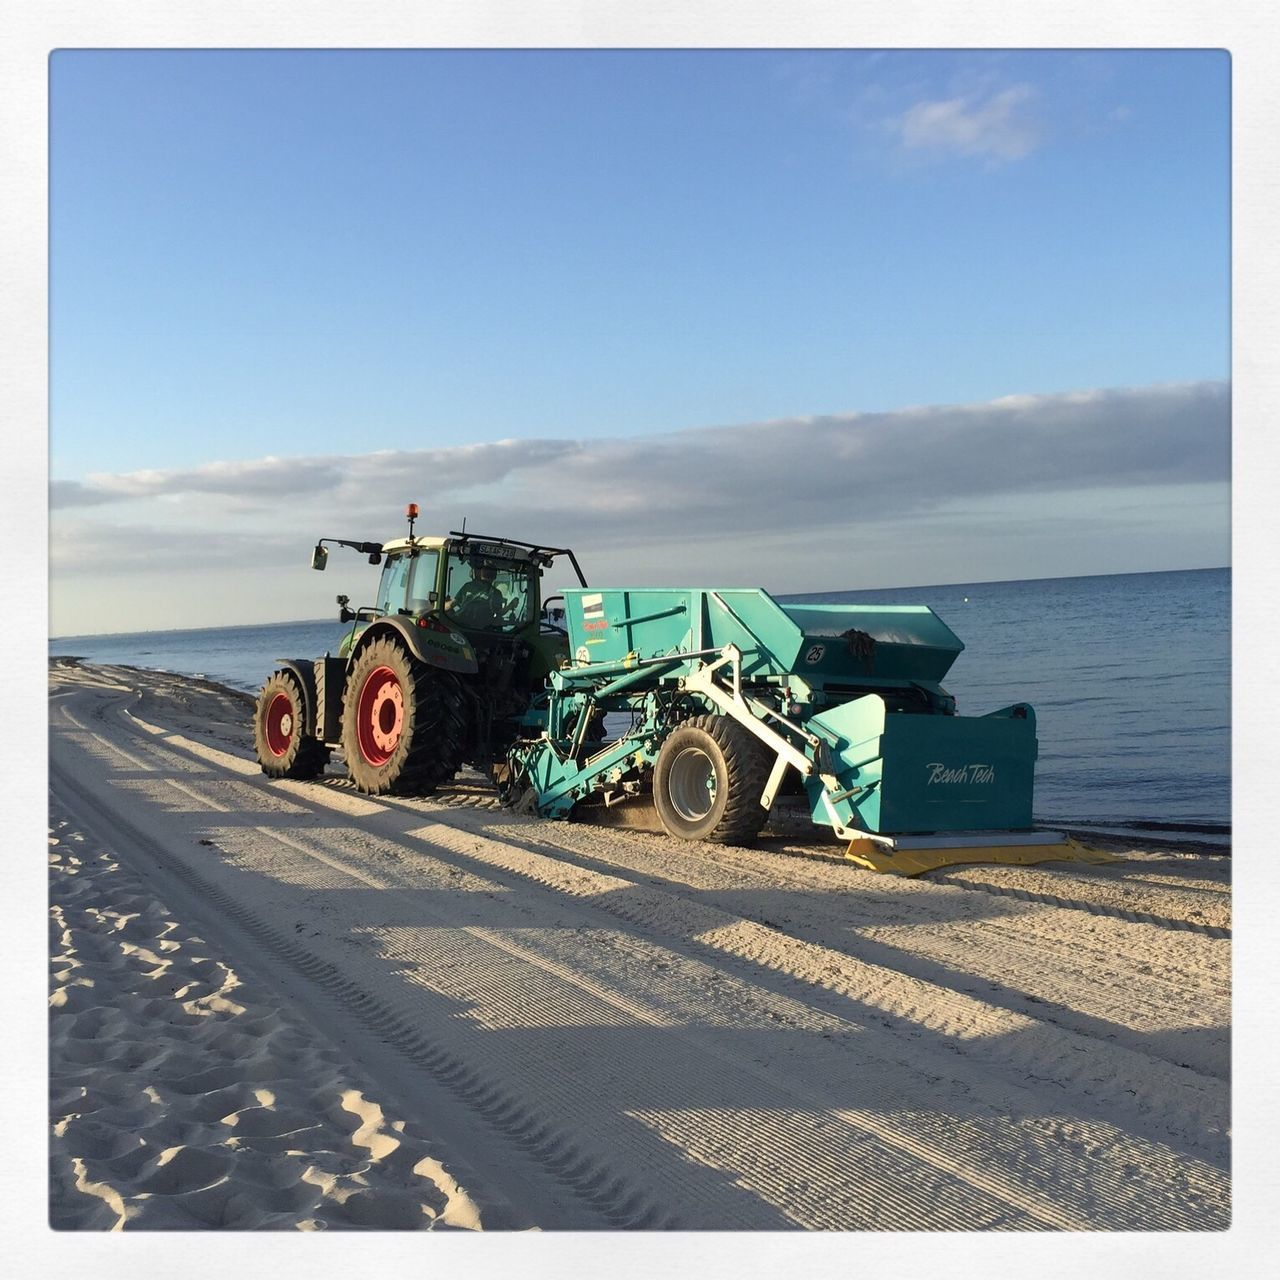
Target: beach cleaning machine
{"x": 731, "y": 701}
{"x": 711, "y": 707}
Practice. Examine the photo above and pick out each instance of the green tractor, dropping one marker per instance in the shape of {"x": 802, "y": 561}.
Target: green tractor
{"x": 437, "y": 673}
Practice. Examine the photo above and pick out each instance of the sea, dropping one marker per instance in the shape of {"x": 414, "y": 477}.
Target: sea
{"x": 1129, "y": 675}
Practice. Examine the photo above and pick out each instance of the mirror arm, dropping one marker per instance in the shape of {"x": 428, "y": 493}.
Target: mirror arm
{"x": 365, "y": 548}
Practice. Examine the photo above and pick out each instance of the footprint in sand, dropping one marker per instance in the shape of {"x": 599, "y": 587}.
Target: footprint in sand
{"x": 214, "y": 1006}
{"x": 222, "y": 1205}
{"x": 230, "y": 1095}
{"x": 266, "y": 1173}
{"x": 123, "y": 1169}
{"x": 93, "y": 1023}
{"x": 89, "y": 1137}
{"x": 179, "y": 1169}
{"x": 267, "y": 1122}
{"x": 77, "y": 996}
{"x": 219, "y": 1083}
{"x": 382, "y": 1210}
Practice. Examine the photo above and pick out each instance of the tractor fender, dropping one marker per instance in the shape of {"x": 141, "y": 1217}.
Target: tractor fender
{"x": 303, "y": 670}
{"x": 429, "y": 647}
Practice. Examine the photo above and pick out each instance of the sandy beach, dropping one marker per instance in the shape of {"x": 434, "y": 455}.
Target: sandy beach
{"x": 279, "y": 1005}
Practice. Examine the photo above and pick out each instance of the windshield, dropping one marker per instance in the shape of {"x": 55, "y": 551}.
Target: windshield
{"x": 488, "y": 594}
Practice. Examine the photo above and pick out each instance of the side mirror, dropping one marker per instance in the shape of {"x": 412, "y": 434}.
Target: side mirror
{"x": 319, "y": 557}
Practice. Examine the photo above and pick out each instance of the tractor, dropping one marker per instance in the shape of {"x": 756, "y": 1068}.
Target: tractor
{"x": 437, "y": 673}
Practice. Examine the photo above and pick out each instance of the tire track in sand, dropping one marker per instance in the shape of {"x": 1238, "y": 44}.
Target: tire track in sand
{"x": 953, "y": 1201}
{"x": 628, "y": 893}
{"x": 1178, "y": 1102}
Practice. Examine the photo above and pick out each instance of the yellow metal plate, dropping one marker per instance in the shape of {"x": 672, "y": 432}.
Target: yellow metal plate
{"x": 874, "y": 856}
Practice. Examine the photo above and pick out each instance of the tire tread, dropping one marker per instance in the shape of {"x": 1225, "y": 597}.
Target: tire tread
{"x": 747, "y": 765}
{"x": 437, "y": 725}
{"x": 310, "y": 754}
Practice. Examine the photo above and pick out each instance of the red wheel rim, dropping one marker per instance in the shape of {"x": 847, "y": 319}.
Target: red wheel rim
{"x": 380, "y": 716}
{"x": 279, "y": 724}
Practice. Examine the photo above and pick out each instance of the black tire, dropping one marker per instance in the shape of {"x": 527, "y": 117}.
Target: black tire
{"x": 404, "y": 724}
{"x": 716, "y": 755}
{"x": 284, "y": 750}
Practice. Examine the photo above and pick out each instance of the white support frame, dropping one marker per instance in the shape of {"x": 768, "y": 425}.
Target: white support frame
{"x": 732, "y": 702}
{"x": 738, "y": 708}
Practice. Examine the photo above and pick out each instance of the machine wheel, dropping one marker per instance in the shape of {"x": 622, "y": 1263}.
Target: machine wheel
{"x": 403, "y": 724}
{"x": 284, "y": 751}
{"x": 708, "y": 781}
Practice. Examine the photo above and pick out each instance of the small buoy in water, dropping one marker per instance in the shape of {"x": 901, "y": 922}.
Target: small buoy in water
{"x": 966, "y": 599}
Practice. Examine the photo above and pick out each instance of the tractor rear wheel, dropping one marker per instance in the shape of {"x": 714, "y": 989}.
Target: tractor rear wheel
{"x": 403, "y": 724}
{"x": 284, "y": 750}
{"x": 708, "y": 781}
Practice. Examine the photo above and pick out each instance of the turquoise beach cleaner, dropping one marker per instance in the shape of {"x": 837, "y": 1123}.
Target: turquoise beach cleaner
{"x": 735, "y": 699}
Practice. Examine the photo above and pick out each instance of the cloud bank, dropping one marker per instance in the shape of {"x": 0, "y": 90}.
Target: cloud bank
{"x": 810, "y": 469}
{"x": 736, "y": 496}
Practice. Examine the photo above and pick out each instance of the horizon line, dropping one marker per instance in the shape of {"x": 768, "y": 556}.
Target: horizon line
{"x": 795, "y": 595}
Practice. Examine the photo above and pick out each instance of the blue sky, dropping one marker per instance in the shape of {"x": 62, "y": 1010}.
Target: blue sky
{"x": 307, "y": 254}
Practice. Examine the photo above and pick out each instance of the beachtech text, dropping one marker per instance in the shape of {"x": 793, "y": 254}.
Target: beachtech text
{"x": 961, "y": 773}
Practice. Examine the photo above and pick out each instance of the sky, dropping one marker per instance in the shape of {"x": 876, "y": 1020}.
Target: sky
{"x": 809, "y": 320}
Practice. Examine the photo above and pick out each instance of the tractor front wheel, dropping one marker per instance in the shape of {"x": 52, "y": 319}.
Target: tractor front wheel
{"x": 403, "y": 724}
{"x": 708, "y": 780}
{"x": 284, "y": 750}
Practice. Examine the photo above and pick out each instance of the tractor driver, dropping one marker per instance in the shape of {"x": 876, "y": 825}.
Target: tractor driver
{"x": 479, "y": 602}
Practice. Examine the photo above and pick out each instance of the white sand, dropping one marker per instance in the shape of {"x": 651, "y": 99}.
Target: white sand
{"x": 414, "y": 1013}
{"x": 182, "y": 1097}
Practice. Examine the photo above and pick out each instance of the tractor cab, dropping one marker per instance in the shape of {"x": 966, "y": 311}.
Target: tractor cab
{"x": 489, "y": 587}
{"x": 466, "y": 602}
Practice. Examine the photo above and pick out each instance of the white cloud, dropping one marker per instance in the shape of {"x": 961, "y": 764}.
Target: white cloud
{"x": 803, "y": 500}
{"x": 271, "y": 478}
{"x": 811, "y": 468}
{"x": 998, "y": 126}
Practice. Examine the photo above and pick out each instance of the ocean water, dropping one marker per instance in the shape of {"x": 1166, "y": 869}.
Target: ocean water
{"x": 1129, "y": 675}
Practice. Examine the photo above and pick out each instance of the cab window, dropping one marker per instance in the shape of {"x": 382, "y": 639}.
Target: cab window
{"x": 394, "y": 584}
{"x": 488, "y": 595}
{"x": 422, "y": 582}
{"x": 513, "y": 582}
